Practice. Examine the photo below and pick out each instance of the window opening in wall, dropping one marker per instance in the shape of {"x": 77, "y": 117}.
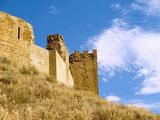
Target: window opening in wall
{"x": 19, "y": 32}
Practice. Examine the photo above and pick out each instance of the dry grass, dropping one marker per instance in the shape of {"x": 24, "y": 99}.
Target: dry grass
{"x": 26, "y": 94}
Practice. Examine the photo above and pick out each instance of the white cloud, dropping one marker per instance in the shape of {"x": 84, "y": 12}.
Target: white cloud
{"x": 113, "y": 98}
{"x": 149, "y": 106}
{"x": 154, "y": 106}
{"x": 120, "y": 8}
{"x": 116, "y": 6}
{"x": 151, "y": 85}
{"x": 121, "y": 47}
{"x": 53, "y": 10}
{"x": 135, "y": 6}
{"x": 150, "y": 7}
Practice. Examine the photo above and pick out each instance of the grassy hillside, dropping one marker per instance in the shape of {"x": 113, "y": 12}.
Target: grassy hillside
{"x": 26, "y": 94}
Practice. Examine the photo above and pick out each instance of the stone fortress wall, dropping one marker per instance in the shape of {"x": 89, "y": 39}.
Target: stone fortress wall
{"x": 39, "y": 57}
{"x": 78, "y": 70}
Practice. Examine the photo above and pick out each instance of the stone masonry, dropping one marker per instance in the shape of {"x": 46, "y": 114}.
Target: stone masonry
{"x": 16, "y": 37}
{"x": 84, "y": 70}
{"x": 59, "y": 60}
{"x": 78, "y": 70}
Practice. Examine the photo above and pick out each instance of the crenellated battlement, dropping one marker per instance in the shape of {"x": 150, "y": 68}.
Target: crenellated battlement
{"x": 79, "y": 57}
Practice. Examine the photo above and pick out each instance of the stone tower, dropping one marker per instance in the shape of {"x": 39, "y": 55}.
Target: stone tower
{"x": 16, "y": 36}
{"x": 59, "y": 59}
{"x": 84, "y": 70}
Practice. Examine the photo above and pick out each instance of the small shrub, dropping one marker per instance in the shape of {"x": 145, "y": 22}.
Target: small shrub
{"x": 29, "y": 71}
{"x": 4, "y": 67}
{"x": 5, "y": 61}
{"x": 8, "y": 79}
{"x": 5, "y": 80}
{"x": 49, "y": 79}
{"x": 42, "y": 90}
{"x": 22, "y": 96}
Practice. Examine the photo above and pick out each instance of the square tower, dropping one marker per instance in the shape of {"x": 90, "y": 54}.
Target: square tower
{"x": 16, "y": 37}
{"x": 84, "y": 70}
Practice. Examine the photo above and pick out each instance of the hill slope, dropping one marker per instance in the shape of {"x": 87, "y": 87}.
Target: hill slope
{"x": 26, "y": 94}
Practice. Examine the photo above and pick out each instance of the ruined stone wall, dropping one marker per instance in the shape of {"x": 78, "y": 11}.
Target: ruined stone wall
{"x": 57, "y": 69}
{"x": 39, "y": 58}
{"x": 16, "y": 36}
{"x": 84, "y": 70}
{"x": 17, "y": 44}
{"x": 59, "y": 60}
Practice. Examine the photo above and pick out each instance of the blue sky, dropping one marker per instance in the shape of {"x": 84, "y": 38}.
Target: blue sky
{"x": 125, "y": 33}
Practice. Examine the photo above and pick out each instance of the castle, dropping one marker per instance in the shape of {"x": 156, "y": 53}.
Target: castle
{"x": 78, "y": 70}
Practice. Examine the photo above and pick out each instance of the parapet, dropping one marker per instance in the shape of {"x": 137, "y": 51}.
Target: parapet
{"x": 79, "y": 57}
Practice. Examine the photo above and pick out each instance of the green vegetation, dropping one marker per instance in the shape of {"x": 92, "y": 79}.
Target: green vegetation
{"x": 29, "y": 71}
{"x": 26, "y": 94}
